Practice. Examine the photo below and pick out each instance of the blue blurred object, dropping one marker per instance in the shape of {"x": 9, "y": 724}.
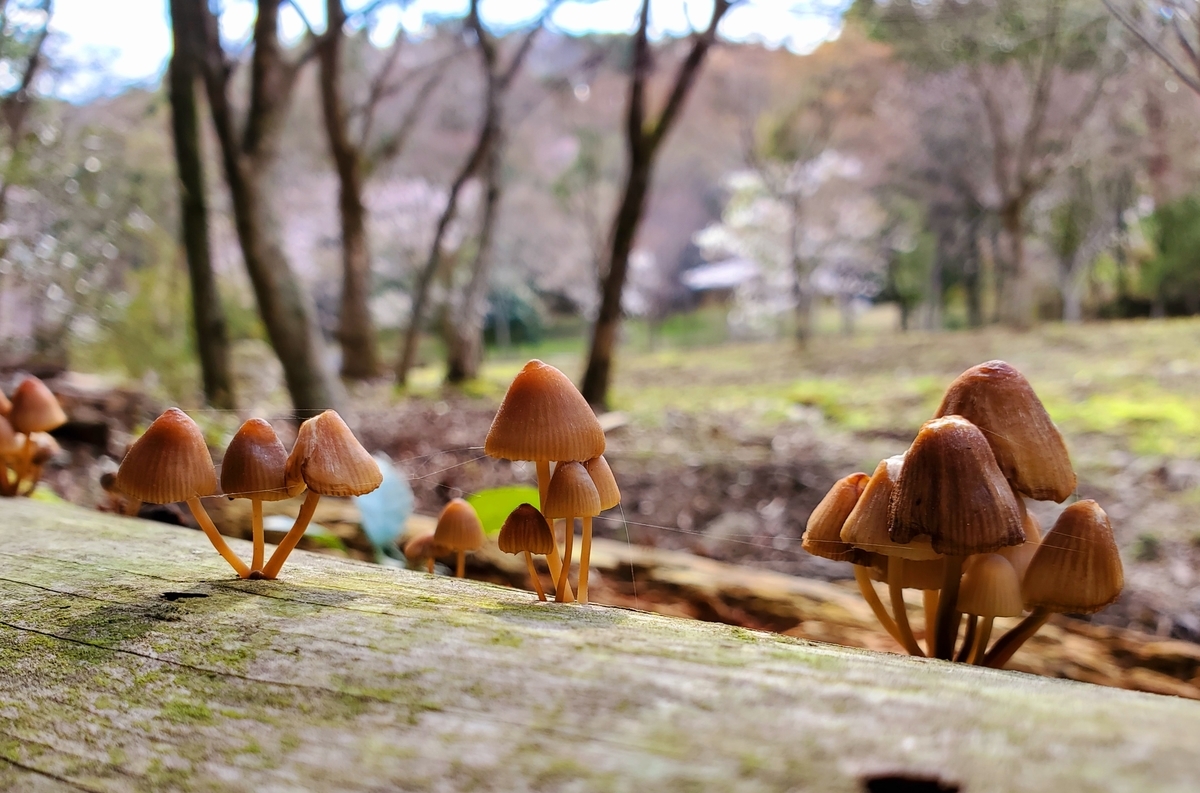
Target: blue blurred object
{"x": 386, "y": 510}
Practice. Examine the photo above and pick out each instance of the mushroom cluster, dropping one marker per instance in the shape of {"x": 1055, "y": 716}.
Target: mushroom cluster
{"x": 170, "y": 462}
{"x": 25, "y": 442}
{"x": 545, "y": 420}
{"x": 948, "y": 517}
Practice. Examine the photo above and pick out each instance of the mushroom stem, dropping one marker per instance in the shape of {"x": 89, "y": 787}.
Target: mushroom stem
{"x": 968, "y": 643}
{"x": 289, "y": 541}
{"x": 931, "y": 606}
{"x": 585, "y": 555}
{"x": 256, "y": 523}
{"x": 429, "y": 564}
{"x": 868, "y": 593}
{"x": 215, "y": 537}
{"x": 948, "y": 615}
{"x": 563, "y": 583}
{"x": 25, "y": 458}
{"x": 533, "y": 576}
{"x": 460, "y": 567}
{"x": 543, "y": 475}
{"x": 981, "y": 641}
{"x": 899, "y": 610}
{"x": 1010, "y": 642}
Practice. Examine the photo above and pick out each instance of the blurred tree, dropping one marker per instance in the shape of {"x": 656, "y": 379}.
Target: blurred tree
{"x": 1038, "y": 69}
{"x": 249, "y": 151}
{"x": 1172, "y": 276}
{"x": 24, "y": 27}
{"x": 208, "y": 316}
{"x": 643, "y": 138}
{"x": 464, "y": 331}
{"x": 1080, "y": 227}
{"x": 356, "y": 153}
{"x": 1169, "y": 28}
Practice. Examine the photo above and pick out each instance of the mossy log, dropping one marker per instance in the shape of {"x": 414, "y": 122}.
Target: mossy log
{"x": 132, "y": 659}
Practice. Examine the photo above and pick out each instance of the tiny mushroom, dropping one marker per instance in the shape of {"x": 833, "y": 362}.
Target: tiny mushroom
{"x": 34, "y": 409}
{"x": 254, "y": 468}
{"x": 458, "y": 531}
{"x": 572, "y": 494}
{"x": 990, "y": 588}
{"x": 525, "y": 530}
{"x": 170, "y": 463}
{"x": 329, "y": 461}
{"x": 951, "y": 489}
{"x": 610, "y": 496}
{"x": 422, "y": 550}
{"x": 1076, "y": 569}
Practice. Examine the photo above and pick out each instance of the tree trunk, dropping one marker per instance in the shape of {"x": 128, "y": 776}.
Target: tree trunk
{"x": 212, "y": 338}
{"x": 972, "y": 280}
{"x": 356, "y": 331}
{"x": 1018, "y": 308}
{"x": 283, "y": 303}
{"x": 935, "y": 293}
{"x": 464, "y": 348}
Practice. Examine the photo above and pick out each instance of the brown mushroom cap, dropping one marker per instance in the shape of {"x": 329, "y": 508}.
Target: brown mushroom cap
{"x": 423, "y": 547}
{"x": 1019, "y": 556}
{"x": 255, "y": 464}
{"x": 951, "y": 489}
{"x": 572, "y": 493}
{"x": 822, "y": 535}
{"x": 526, "y": 529}
{"x": 929, "y": 574}
{"x": 459, "y": 527}
{"x": 1028, "y": 447}
{"x": 1076, "y": 569}
{"x": 34, "y": 408}
{"x": 606, "y": 483}
{"x": 11, "y": 442}
{"x": 990, "y": 588}
{"x": 169, "y": 463}
{"x": 544, "y": 417}
{"x": 867, "y": 525}
{"x": 330, "y": 460}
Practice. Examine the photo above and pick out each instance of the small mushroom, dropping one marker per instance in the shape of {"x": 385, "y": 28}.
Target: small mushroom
{"x": 459, "y": 530}
{"x": 12, "y": 447}
{"x": 422, "y": 550}
{"x": 44, "y": 448}
{"x": 254, "y": 467}
{"x": 34, "y": 409}
{"x": 951, "y": 489}
{"x": 571, "y": 494}
{"x": 329, "y": 461}
{"x": 990, "y": 588}
{"x": 170, "y": 463}
{"x": 525, "y": 530}
{"x": 610, "y": 496}
{"x": 1076, "y": 569}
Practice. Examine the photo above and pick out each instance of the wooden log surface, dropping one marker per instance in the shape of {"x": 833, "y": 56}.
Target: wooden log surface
{"x": 132, "y": 659}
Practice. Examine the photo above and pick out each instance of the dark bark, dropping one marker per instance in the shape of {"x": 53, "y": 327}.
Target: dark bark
{"x": 212, "y": 337}
{"x": 643, "y": 142}
{"x": 356, "y": 331}
{"x": 247, "y": 158}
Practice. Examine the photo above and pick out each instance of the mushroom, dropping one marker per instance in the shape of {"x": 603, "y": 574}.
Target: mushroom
{"x": 254, "y": 468}
{"x": 572, "y": 494}
{"x": 1029, "y": 449}
{"x": 459, "y": 530}
{"x": 951, "y": 489}
{"x": 170, "y": 463}
{"x": 544, "y": 418}
{"x": 610, "y": 496}
{"x": 329, "y": 461}
{"x": 12, "y": 446}
{"x": 990, "y": 588}
{"x": 525, "y": 530}
{"x": 34, "y": 409}
{"x": 867, "y": 528}
{"x": 44, "y": 448}
{"x": 1076, "y": 569}
{"x": 5, "y": 405}
{"x": 1019, "y": 556}
{"x": 422, "y": 550}
{"x": 822, "y": 537}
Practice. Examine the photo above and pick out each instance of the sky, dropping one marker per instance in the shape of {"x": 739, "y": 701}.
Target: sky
{"x": 131, "y": 47}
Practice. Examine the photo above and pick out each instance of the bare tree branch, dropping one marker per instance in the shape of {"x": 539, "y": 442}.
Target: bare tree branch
{"x": 1192, "y": 81}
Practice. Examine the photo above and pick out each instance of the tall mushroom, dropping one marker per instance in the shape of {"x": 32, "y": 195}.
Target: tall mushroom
{"x": 459, "y": 530}
{"x": 952, "y": 490}
{"x": 525, "y": 530}
{"x": 329, "y": 461}
{"x": 1076, "y": 569}
{"x": 1029, "y": 449}
{"x": 34, "y": 409}
{"x": 171, "y": 463}
{"x": 255, "y": 468}
{"x": 543, "y": 418}
{"x": 610, "y": 496}
{"x": 572, "y": 494}
{"x": 422, "y": 550}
